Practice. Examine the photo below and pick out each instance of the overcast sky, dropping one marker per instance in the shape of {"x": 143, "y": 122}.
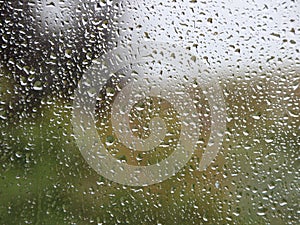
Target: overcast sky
{"x": 234, "y": 29}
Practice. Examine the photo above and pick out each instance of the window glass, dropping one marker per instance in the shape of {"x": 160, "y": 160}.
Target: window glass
{"x": 149, "y": 112}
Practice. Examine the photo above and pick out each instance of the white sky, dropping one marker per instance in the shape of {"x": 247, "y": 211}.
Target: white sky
{"x": 256, "y": 27}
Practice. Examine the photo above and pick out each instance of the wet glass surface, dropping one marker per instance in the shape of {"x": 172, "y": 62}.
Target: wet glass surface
{"x": 148, "y": 112}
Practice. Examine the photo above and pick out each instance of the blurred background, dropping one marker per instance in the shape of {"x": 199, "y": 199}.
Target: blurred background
{"x": 46, "y": 46}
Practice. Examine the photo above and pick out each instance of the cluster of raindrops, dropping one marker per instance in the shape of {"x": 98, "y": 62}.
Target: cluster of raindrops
{"x": 251, "y": 50}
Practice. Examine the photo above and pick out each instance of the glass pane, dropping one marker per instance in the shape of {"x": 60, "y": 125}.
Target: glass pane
{"x": 149, "y": 112}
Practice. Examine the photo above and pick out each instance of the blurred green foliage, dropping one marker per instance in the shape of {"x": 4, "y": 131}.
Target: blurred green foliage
{"x": 45, "y": 180}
